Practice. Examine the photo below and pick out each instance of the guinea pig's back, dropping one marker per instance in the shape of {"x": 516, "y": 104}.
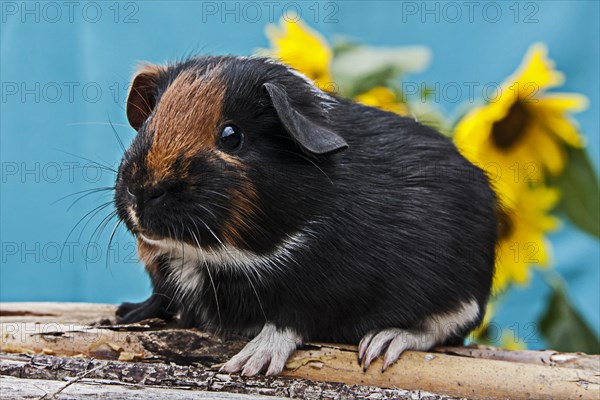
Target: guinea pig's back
{"x": 421, "y": 216}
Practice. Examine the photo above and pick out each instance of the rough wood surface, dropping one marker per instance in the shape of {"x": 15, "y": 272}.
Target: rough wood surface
{"x": 197, "y": 378}
{"x": 14, "y": 388}
{"x": 155, "y": 354}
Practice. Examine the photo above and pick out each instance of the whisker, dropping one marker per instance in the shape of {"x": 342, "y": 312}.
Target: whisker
{"x": 112, "y": 235}
{"x": 102, "y": 225}
{"x": 81, "y": 198}
{"x": 255, "y": 293}
{"x": 116, "y": 135}
{"x": 212, "y": 282}
{"x": 91, "y": 219}
{"x": 95, "y": 211}
{"x": 241, "y": 269}
{"x": 89, "y": 191}
{"x": 207, "y": 210}
{"x": 149, "y": 107}
{"x": 217, "y": 193}
{"x": 219, "y": 206}
{"x": 305, "y": 158}
{"x": 96, "y": 123}
{"x": 182, "y": 261}
{"x": 100, "y": 165}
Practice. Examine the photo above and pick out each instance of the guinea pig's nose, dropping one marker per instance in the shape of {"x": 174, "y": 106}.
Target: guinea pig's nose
{"x": 134, "y": 193}
{"x": 143, "y": 197}
{"x": 154, "y": 197}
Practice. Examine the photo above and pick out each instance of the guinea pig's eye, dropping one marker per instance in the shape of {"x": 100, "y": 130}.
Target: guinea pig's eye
{"x": 230, "y": 138}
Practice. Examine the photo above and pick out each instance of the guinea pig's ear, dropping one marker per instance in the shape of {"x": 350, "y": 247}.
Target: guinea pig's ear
{"x": 142, "y": 95}
{"x": 308, "y": 129}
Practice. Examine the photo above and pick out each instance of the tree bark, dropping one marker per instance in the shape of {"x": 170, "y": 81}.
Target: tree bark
{"x": 15, "y": 388}
{"x": 71, "y": 340}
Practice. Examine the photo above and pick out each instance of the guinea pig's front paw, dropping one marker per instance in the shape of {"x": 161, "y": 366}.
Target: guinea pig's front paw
{"x": 394, "y": 342}
{"x": 269, "y": 350}
{"x": 153, "y": 307}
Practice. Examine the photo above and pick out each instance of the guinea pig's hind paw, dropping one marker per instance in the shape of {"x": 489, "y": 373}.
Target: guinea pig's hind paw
{"x": 269, "y": 350}
{"x": 394, "y": 342}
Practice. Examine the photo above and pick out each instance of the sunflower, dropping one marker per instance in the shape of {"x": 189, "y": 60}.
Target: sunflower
{"x": 523, "y": 240}
{"x": 384, "y": 98}
{"x": 519, "y": 138}
{"x": 523, "y": 124}
{"x": 302, "y": 48}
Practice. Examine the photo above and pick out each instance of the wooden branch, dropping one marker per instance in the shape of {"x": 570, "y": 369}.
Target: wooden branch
{"x": 87, "y": 330}
{"x": 541, "y": 357}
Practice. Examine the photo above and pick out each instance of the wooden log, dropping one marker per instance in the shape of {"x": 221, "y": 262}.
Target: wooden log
{"x": 195, "y": 378}
{"x": 451, "y": 375}
{"x": 479, "y": 372}
{"x": 14, "y": 388}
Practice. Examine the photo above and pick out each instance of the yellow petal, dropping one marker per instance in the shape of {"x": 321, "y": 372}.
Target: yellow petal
{"x": 537, "y": 69}
{"x": 384, "y": 98}
{"x": 535, "y": 206}
{"x": 302, "y": 48}
{"x": 563, "y": 128}
{"x": 507, "y": 191}
{"x": 549, "y": 152}
{"x": 475, "y": 127}
{"x": 510, "y": 342}
{"x": 540, "y": 256}
{"x": 501, "y": 278}
{"x": 563, "y": 102}
{"x": 547, "y": 197}
{"x": 487, "y": 318}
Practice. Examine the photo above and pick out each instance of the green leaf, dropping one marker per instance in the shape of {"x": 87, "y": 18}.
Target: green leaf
{"x": 364, "y": 83}
{"x": 564, "y": 328}
{"x": 429, "y": 114}
{"x": 343, "y": 44}
{"x": 580, "y": 192}
{"x": 357, "y": 69}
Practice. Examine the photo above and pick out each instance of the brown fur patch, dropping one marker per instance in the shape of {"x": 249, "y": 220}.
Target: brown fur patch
{"x": 147, "y": 254}
{"x": 242, "y": 208}
{"x": 185, "y": 121}
{"x": 184, "y": 124}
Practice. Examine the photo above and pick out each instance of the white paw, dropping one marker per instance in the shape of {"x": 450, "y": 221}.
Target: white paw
{"x": 434, "y": 330}
{"x": 269, "y": 351}
{"x": 393, "y": 342}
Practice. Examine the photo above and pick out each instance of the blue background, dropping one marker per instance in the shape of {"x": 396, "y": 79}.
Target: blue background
{"x": 47, "y": 48}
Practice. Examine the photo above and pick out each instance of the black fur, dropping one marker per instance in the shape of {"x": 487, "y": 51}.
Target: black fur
{"x": 397, "y": 228}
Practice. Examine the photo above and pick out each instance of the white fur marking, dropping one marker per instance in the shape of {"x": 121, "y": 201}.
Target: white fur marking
{"x": 269, "y": 350}
{"x": 185, "y": 264}
{"x": 435, "y": 330}
{"x": 133, "y": 216}
{"x": 229, "y": 256}
{"x": 445, "y": 325}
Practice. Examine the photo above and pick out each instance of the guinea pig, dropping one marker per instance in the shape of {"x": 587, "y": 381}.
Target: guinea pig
{"x": 266, "y": 207}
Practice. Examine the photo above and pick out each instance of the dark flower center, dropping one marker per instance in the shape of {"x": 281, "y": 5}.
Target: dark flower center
{"x": 510, "y": 129}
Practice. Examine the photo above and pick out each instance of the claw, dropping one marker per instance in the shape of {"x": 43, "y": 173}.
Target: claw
{"x": 235, "y": 364}
{"x": 363, "y": 345}
{"x": 434, "y": 329}
{"x": 269, "y": 351}
{"x": 393, "y": 342}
